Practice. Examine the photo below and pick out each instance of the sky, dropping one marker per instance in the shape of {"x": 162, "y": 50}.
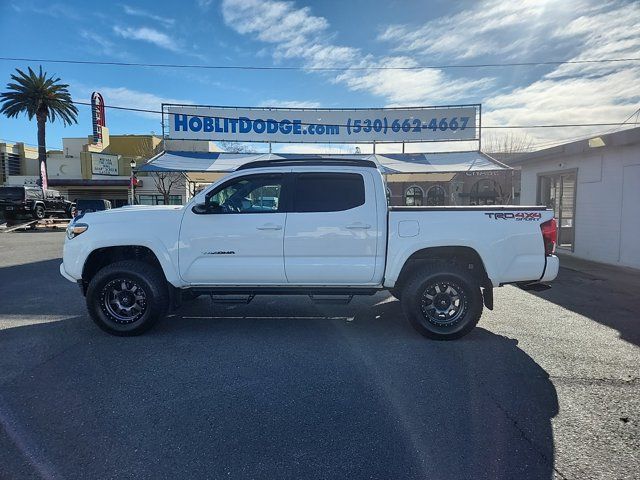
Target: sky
{"x": 332, "y": 33}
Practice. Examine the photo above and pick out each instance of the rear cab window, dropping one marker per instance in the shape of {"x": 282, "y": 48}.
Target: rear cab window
{"x": 328, "y": 192}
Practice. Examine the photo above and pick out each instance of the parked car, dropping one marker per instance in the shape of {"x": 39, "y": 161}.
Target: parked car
{"x": 331, "y": 232}
{"x": 30, "y": 202}
{"x": 84, "y": 205}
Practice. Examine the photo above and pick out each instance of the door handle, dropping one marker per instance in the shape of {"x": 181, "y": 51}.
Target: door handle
{"x": 359, "y": 226}
{"x": 269, "y": 226}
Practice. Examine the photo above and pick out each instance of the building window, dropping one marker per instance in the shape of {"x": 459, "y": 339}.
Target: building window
{"x": 436, "y": 196}
{"x": 558, "y": 192}
{"x": 484, "y": 192}
{"x": 159, "y": 200}
{"x": 413, "y": 197}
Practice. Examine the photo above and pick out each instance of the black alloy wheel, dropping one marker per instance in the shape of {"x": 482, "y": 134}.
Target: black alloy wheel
{"x": 127, "y": 298}
{"x": 443, "y": 301}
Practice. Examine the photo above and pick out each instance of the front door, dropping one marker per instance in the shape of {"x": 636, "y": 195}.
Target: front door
{"x": 237, "y": 237}
{"x": 332, "y": 230}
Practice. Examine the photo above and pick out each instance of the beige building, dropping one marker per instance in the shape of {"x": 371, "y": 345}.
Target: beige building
{"x": 17, "y": 159}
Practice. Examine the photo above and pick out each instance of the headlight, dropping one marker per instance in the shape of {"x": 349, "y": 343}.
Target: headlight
{"x": 75, "y": 229}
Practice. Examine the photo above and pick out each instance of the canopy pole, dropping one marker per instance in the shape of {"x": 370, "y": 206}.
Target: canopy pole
{"x": 269, "y": 147}
{"x": 402, "y": 147}
{"x": 374, "y": 147}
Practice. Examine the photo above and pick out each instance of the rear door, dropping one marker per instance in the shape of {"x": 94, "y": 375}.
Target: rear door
{"x": 332, "y": 229}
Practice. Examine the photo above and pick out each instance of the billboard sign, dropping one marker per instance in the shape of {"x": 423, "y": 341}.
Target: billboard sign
{"x": 102, "y": 164}
{"x": 301, "y": 125}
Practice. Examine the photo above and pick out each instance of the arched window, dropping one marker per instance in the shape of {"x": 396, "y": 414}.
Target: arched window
{"x": 484, "y": 192}
{"x": 435, "y": 196}
{"x": 413, "y": 196}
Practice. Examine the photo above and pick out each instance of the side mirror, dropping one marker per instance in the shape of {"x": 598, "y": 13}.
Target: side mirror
{"x": 202, "y": 208}
{"x": 214, "y": 207}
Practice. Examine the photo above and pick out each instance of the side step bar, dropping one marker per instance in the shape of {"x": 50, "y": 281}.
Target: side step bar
{"x": 534, "y": 286}
{"x": 332, "y": 299}
{"x": 232, "y": 299}
{"x": 279, "y": 290}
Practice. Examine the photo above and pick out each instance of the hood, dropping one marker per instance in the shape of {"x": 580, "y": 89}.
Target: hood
{"x": 133, "y": 212}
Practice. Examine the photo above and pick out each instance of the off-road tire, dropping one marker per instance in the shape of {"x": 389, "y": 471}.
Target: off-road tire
{"x": 39, "y": 212}
{"x": 454, "y": 282}
{"x": 151, "y": 295}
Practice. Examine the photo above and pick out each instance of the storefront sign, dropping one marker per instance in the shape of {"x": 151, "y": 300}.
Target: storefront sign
{"x": 98, "y": 117}
{"x": 104, "y": 164}
{"x": 428, "y": 124}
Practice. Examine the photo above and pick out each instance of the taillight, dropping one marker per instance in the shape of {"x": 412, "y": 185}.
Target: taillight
{"x": 549, "y": 236}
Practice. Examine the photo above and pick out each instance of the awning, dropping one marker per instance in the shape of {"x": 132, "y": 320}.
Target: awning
{"x": 387, "y": 163}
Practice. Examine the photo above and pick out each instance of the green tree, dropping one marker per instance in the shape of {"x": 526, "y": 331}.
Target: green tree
{"x": 41, "y": 96}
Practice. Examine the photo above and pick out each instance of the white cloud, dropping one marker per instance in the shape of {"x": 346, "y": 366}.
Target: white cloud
{"x": 296, "y": 34}
{"x": 149, "y": 35}
{"x": 289, "y": 103}
{"x": 94, "y": 42}
{"x": 55, "y": 10}
{"x": 486, "y": 27}
{"x": 581, "y": 29}
{"x": 137, "y": 12}
{"x": 411, "y": 87}
{"x": 204, "y": 4}
{"x": 580, "y": 93}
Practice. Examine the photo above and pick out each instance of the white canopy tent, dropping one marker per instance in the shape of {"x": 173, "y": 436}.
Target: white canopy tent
{"x": 395, "y": 163}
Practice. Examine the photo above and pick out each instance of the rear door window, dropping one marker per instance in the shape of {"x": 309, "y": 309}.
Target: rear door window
{"x": 328, "y": 192}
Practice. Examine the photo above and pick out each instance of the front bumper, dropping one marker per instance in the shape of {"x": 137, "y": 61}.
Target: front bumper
{"x": 64, "y": 273}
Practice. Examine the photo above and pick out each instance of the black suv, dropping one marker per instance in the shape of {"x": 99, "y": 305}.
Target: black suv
{"x": 17, "y": 202}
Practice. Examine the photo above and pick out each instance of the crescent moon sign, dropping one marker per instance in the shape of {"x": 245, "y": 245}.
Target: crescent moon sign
{"x": 62, "y": 169}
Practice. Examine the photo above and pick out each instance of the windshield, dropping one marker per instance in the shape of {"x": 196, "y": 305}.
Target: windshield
{"x": 11, "y": 193}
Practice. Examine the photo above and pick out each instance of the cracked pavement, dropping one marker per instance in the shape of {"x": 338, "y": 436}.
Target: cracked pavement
{"x": 546, "y": 387}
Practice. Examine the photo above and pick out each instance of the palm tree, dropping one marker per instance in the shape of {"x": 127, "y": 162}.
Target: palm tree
{"x": 43, "y": 97}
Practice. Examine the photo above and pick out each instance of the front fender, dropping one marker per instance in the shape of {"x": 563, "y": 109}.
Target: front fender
{"x": 77, "y": 251}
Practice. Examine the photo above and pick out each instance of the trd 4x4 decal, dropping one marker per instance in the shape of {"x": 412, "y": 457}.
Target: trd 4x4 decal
{"x": 518, "y": 216}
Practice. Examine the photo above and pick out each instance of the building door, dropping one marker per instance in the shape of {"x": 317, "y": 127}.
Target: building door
{"x": 558, "y": 192}
{"x": 630, "y": 221}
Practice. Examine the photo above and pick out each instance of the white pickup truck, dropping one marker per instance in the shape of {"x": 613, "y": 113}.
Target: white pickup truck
{"x": 314, "y": 227}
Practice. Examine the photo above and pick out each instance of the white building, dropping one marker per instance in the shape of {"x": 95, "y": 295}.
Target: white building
{"x": 594, "y": 188}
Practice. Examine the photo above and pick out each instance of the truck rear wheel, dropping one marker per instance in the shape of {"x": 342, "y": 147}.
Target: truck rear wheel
{"x": 127, "y": 298}
{"x": 442, "y": 302}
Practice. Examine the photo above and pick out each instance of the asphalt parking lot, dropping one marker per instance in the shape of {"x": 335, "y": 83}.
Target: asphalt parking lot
{"x": 546, "y": 386}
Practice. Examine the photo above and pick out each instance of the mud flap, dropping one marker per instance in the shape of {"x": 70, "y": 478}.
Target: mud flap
{"x": 487, "y": 295}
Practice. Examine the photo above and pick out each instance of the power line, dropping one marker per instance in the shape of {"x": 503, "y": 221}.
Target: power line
{"x": 7, "y": 140}
{"x": 328, "y": 69}
{"x": 555, "y": 143}
{"x": 559, "y": 125}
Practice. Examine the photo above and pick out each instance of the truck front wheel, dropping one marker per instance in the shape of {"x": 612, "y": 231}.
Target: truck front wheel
{"x": 442, "y": 302}
{"x": 127, "y": 298}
